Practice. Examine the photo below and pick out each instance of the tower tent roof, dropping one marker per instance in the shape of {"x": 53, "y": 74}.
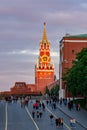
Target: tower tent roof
{"x": 44, "y": 37}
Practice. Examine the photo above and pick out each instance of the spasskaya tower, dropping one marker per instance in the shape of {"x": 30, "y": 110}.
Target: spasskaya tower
{"x": 44, "y": 69}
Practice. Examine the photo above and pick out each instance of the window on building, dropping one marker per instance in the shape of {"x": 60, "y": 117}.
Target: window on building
{"x": 73, "y": 51}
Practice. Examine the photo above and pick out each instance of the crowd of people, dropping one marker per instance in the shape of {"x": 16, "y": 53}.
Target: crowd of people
{"x": 38, "y": 114}
{"x": 53, "y": 102}
{"x": 58, "y": 121}
{"x": 38, "y": 107}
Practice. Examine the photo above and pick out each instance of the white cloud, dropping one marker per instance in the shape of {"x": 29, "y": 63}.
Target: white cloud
{"x": 27, "y": 52}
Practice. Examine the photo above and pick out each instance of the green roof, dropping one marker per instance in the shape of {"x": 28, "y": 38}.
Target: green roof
{"x": 77, "y": 36}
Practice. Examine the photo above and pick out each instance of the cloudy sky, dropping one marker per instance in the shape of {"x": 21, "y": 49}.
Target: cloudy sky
{"x": 21, "y": 29}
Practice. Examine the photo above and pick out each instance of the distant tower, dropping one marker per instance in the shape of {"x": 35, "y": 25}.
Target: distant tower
{"x": 44, "y": 69}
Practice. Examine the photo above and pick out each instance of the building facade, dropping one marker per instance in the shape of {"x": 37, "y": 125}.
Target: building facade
{"x": 69, "y": 47}
{"x": 44, "y": 69}
{"x": 23, "y": 88}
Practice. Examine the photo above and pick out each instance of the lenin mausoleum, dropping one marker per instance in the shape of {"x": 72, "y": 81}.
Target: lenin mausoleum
{"x": 44, "y": 71}
{"x": 70, "y": 45}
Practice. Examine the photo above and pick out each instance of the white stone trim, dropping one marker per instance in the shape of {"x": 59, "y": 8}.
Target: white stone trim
{"x": 74, "y": 40}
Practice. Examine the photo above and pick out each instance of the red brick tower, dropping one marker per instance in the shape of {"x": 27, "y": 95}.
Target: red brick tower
{"x": 44, "y": 69}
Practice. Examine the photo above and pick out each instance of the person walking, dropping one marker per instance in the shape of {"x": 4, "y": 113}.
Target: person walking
{"x": 62, "y": 122}
{"x": 43, "y": 106}
{"x": 33, "y": 114}
{"x": 51, "y": 118}
{"x": 37, "y": 114}
{"x": 40, "y": 114}
{"x": 72, "y": 122}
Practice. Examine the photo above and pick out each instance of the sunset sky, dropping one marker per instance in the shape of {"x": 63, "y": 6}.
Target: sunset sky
{"x": 21, "y": 29}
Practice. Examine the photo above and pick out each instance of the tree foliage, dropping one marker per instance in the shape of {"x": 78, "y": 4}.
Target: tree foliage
{"x": 54, "y": 90}
{"x": 76, "y": 77}
{"x": 47, "y": 91}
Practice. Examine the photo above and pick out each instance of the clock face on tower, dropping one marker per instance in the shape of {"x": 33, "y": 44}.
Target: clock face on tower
{"x": 44, "y": 58}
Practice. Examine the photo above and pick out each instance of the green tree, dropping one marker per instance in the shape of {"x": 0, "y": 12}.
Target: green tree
{"x": 76, "y": 77}
{"x": 52, "y": 91}
{"x": 55, "y": 90}
{"x": 47, "y": 91}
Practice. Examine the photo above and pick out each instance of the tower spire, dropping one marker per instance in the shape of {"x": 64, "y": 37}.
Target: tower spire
{"x": 44, "y": 37}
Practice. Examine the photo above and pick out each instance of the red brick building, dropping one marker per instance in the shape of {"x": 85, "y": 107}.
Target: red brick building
{"x": 23, "y": 88}
{"x": 44, "y": 69}
{"x": 69, "y": 47}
